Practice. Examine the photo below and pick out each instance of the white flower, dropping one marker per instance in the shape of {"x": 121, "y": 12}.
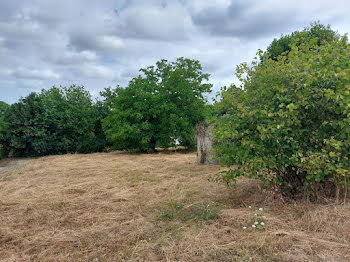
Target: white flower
{"x": 264, "y": 217}
{"x": 262, "y": 223}
{"x": 253, "y": 226}
{"x": 261, "y": 209}
{"x": 244, "y": 228}
{"x": 255, "y": 214}
{"x": 256, "y": 223}
{"x": 249, "y": 207}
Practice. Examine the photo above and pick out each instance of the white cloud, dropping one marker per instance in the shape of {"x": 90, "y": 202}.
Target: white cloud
{"x": 97, "y": 71}
{"x": 110, "y": 42}
{"x": 26, "y": 73}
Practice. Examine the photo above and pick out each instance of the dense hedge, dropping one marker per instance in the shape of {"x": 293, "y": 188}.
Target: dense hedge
{"x": 55, "y": 121}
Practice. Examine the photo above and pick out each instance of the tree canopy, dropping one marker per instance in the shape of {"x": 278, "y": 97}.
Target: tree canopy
{"x": 316, "y": 31}
{"x": 158, "y": 108}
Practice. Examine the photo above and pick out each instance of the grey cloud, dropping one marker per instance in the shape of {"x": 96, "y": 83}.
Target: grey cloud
{"x": 169, "y": 23}
{"x": 9, "y": 9}
{"x": 71, "y": 57}
{"x": 104, "y": 43}
{"x": 242, "y": 19}
{"x": 248, "y": 19}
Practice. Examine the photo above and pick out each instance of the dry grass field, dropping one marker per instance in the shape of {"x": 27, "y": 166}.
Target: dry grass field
{"x": 155, "y": 207}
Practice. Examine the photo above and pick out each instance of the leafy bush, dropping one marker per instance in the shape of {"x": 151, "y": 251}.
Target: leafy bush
{"x": 55, "y": 121}
{"x": 289, "y": 123}
{"x": 159, "y": 108}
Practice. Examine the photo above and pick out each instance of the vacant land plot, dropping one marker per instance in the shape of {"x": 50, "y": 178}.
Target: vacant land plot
{"x": 155, "y": 207}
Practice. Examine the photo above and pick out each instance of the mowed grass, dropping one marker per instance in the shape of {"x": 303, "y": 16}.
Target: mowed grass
{"x": 155, "y": 207}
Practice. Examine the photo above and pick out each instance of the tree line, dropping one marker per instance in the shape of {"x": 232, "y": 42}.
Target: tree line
{"x": 159, "y": 108}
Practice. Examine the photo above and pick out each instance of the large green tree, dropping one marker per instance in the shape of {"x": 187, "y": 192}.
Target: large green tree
{"x": 289, "y": 123}
{"x": 158, "y": 108}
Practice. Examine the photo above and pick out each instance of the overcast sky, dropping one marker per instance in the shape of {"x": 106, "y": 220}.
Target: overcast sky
{"x": 99, "y": 43}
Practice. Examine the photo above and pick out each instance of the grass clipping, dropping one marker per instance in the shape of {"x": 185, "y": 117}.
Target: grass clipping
{"x": 155, "y": 207}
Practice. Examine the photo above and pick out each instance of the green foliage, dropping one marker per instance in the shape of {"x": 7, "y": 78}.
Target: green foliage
{"x": 223, "y": 100}
{"x": 3, "y": 127}
{"x": 323, "y": 34}
{"x": 279, "y": 46}
{"x": 289, "y": 124}
{"x": 171, "y": 210}
{"x": 55, "y": 121}
{"x": 2, "y": 152}
{"x": 158, "y": 108}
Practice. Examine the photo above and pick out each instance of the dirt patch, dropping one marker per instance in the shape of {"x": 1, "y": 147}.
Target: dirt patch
{"x": 9, "y": 168}
{"x": 4, "y": 162}
{"x": 13, "y": 163}
{"x": 155, "y": 207}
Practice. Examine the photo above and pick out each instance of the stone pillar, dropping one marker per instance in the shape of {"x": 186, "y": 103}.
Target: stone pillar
{"x": 205, "y": 152}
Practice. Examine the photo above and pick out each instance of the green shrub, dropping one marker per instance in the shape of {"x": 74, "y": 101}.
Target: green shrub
{"x": 289, "y": 123}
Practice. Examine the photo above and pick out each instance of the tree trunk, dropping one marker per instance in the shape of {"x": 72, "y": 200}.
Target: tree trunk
{"x": 205, "y": 152}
